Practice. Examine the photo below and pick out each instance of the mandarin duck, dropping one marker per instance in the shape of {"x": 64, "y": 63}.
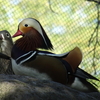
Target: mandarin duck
{"x": 6, "y": 45}
{"x": 28, "y": 59}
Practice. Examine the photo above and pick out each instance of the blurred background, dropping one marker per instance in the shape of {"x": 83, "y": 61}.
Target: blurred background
{"x": 68, "y": 23}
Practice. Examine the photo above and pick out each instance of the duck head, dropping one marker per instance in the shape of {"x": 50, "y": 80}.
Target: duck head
{"x": 33, "y": 35}
{"x": 6, "y": 42}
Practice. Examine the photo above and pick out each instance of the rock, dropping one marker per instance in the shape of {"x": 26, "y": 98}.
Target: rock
{"x": 13, "y": 87}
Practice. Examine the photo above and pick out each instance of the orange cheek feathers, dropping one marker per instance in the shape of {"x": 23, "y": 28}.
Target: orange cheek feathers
{"x": 25, "y": 29}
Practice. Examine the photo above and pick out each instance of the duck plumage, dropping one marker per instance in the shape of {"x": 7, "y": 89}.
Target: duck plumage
{"x": 6, "y": 45}
{"x": 28, "y": 60}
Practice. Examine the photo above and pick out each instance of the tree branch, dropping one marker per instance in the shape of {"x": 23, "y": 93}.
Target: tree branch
{"x": 96, "y": 1}
{"x": 94, "y": 38}
{"x": 49, "y": 1}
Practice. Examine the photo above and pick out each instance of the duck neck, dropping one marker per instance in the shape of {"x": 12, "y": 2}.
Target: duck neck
{"x": 25, "y": 44}
{"x": 6, "y": 47}
{"x": 16, "y": 52}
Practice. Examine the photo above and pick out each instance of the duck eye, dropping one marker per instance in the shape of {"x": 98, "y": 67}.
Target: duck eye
{"x": 7, "y": 35}
{"x": 26, "y": 25}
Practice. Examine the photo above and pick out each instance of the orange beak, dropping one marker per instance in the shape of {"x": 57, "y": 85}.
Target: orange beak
{"x": 18, "y": 33}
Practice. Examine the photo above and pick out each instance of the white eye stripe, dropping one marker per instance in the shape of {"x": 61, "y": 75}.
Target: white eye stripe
{"x": 37, "y": 26}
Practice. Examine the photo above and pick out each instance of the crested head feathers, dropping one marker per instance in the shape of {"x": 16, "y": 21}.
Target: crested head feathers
{"x": 33, "y": 32}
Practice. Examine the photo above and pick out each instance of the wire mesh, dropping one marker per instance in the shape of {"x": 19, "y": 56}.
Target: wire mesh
{"x": 68, "y": 23}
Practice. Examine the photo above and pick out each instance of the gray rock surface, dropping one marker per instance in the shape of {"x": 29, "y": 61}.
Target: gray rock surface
{"x": 13, "y": 87}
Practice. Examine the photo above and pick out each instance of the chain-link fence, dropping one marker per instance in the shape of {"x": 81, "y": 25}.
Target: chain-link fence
{"x": 68, "y": 23}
